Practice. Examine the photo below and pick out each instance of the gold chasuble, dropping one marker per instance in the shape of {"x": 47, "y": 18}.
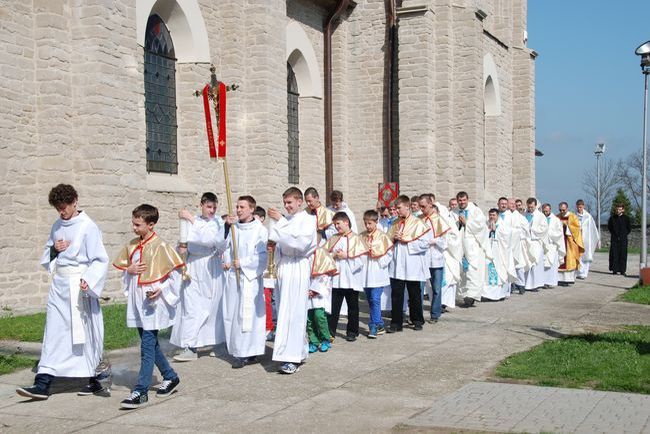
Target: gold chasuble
{"x": 411, "y": 227}
{"x": 323, "y": 217}
{"x": 356, "y": 246}
{"x": 160, "y": 257}
{"x": 573, "y": 242}
{"x": 377, "y": 242}
{"x": 323, "y": 263}
{"x": 440, "y": 227}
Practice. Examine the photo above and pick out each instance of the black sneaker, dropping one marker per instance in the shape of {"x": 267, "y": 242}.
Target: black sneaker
{"x": 240, "y": 362}
{"x": 351, "y": 337}
{"x": 393, "y": 329}
{"x": 136, "y": 400}
{"x": 417, "y": 327}
{"x": 91, "y": 388}
{"x": 167, "y": 387}
{"x": 469, "y": 301}
{"x": 33, "y": 392}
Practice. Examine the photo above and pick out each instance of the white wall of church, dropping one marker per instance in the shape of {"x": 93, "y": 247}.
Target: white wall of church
{"x": 72, "y": 81}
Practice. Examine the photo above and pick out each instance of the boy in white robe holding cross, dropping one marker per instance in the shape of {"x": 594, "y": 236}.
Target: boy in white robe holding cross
{"x": 74, "y": 329}
{"x": 295, "y": 241}
{"x": 244, "y": 308}
{"x": 200, "y": 322}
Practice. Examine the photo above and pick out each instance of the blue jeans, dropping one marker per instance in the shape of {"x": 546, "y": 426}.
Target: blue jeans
{"x": 150, "y": 354}
{"x": 436, "y": 287}
{"x": 374, "y": 302}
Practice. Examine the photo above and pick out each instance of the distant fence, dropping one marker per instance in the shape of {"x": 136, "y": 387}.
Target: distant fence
{"x": 633, "y": 240}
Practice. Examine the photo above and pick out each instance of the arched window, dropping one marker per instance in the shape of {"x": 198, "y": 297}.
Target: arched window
{"x": 160, "y": 97}
{"x": 292, "y": 126}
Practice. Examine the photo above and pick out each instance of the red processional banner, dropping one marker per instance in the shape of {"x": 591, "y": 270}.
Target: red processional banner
{"x": 222, "y": 121}
{"x": 208, "y": 121}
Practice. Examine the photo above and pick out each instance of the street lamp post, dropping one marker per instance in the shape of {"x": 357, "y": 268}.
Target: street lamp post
{"x": 599, "y": 151}
{"x": 644, "y": 51}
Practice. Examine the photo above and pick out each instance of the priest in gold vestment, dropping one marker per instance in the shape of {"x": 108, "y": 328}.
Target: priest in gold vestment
{"x": 574, "y": 245}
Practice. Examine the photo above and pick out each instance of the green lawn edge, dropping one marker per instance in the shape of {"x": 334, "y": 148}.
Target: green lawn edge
{"x": 613, "y": 361}
{"x": 636, "y": 294}
{"x": 29, "y": 328}
{"x": 14, "y": 362}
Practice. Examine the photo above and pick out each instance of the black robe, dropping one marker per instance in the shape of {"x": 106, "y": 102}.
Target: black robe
{"x": 619, "y": 227}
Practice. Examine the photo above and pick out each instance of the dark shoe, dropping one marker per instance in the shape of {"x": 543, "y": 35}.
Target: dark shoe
{"x": 136, "y": 400}
{"x": 417, "y": 327}
{"x": 33, "y": 392}
{"x": 469, "y": 302}
{"x": 167, "y": 387}
{"x": 522, "y": 290}
{"x": 393, "y": 329}
{"x": 351, "y": 337}
{"x": 381, "y": 330}
{"x": 432, "y": 320}
{"x": 93, "y": 387}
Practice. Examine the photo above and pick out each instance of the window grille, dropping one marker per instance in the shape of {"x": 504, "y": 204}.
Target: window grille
{"x": 292, "y": 126}
{"x": 160, "y": 98}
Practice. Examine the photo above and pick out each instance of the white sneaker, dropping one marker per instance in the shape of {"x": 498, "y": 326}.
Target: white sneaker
{"x": 186, "y": 356}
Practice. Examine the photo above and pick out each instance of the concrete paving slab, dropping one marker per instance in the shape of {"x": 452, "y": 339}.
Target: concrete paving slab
{"x": 497, "y": 407}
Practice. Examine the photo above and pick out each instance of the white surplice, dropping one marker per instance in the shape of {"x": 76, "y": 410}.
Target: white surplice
{"x": 295, "y": 238}
{"x": 145, "y": 313}
{"x": 538, "y": 228}
{"x": 520, "y": 259}
{"x": 498, "y": 272}
{"x": 554, "y": 248}
{"x": 474, "y": 239}
{"x": 590, "y": 239}
{"x": 453, "y": 257}
{"x": 200, "y": 317}
{"x": 322, "y": 286}
{"x": 244, "y": 310}
{"x": 74, "y": 329}
{"x": 350, "y": 275}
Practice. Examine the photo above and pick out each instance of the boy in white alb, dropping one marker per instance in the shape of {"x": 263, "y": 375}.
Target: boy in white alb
{"x": 295, "y": 241}
{"x": 375, "y": 272}
{"x": 411, "y": 242}
{"x": 244, "y": 309}
{"x": 151, "y": 281}
{"x": 323, "y": 267}
{"x": 347, "y": 249}
{"x": 74, "y": 329}
{"x": 200, "y": 322}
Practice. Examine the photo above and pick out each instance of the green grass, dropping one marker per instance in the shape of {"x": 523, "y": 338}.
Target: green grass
{"x": 637, "y": 294}
{"x": 617, "y": 361}
{"x": 29, "y": 328}
{"x": 14, "y": 362}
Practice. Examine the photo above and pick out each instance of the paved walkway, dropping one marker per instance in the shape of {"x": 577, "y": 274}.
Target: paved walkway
{"x": 517, "y": 408}
{"x": 367, "y": 386}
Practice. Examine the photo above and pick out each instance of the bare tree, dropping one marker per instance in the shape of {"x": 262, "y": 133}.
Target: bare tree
{"x": 609, "y": 182}
{"x": 629, "y": 174}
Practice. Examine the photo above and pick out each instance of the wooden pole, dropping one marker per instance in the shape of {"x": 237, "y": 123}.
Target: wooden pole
{"x": 230, "y": 212}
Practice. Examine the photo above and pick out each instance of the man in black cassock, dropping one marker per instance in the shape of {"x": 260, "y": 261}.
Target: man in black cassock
{"x": 619, "y": 228}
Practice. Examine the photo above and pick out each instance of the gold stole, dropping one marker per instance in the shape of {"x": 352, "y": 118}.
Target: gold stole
{"x": 412, "y": 228}
{"x": 356, "y": 246}
{"x": 323, "y": 263}
{"x": 574, "y": 244}
{"x": 377, "y": 242}
{"x": 160, "y": 257}
{"x": 440, "y": 227}
{"x": 323, "y": 217}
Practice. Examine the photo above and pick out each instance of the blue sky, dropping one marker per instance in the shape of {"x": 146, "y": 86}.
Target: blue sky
{"x": 589, "y": 87}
